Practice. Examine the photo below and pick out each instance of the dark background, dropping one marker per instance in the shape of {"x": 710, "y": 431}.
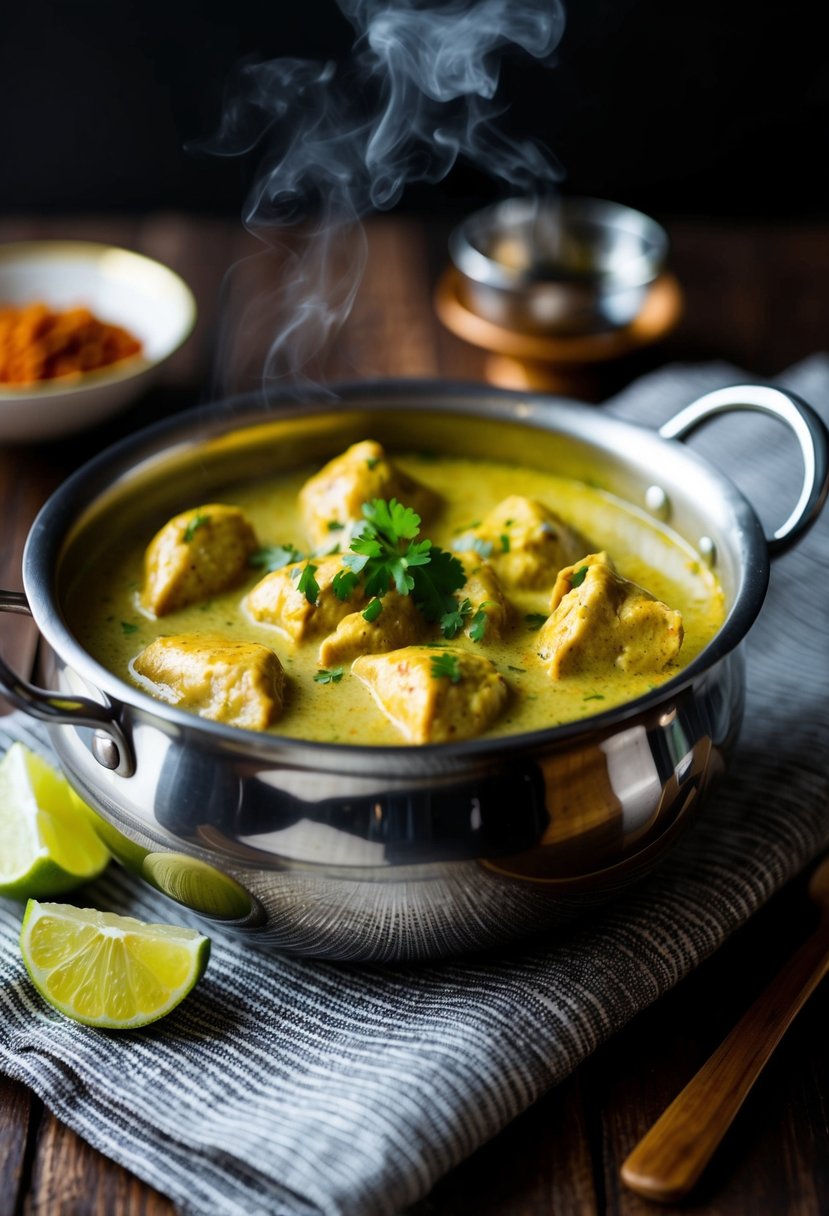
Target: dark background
{"x": 709, "y": 108}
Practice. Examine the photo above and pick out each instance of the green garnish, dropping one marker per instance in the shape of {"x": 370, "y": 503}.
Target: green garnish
{"x": 372, "y": 610}
{"x": 343, "y": 583}
{"x": 128, "y": 627}
{"x": 446, "y": 665}
{"x": 334, "y": 525}
{"x": 274, "y": 557}
{"x": 535, "y": 620}
{"x": 522, "y": 670}
{"x": 594, "y": 696}
{"x": 504, "y": 543}
{"x": 451, "y": 623}
{"x": 373, "y": 461}
{"x": 384, "y": 552}
{"x": 198, "y": 521}
{"x": 479, "y": 622}
{"x": 578, "y": 576}
{"x": 308, "y": 585}
{"x": 328, "y": 675}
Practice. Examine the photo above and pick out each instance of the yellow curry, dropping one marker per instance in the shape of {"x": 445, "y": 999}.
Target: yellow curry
{"x": 399, "y": 599}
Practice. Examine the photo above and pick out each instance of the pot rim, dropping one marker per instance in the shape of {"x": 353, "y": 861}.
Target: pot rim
{"x": 200, "y": 423}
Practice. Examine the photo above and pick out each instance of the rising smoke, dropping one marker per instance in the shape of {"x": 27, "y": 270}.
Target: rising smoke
{"x": 336, "y": 142}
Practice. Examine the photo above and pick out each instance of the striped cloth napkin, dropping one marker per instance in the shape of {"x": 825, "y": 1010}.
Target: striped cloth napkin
{"x": 287, "y": 1086}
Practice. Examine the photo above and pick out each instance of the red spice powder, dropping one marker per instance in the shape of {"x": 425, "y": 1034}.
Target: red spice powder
{"x": 38, "y": 343}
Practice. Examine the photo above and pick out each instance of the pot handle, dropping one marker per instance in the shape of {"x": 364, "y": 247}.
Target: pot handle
{"x": 109, "y": 745}
{"x": 801, "y": 419}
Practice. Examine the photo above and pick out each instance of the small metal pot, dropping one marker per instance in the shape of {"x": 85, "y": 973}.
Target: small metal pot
{"x": 557, "y": 266}
{"x": 400, "y": 852}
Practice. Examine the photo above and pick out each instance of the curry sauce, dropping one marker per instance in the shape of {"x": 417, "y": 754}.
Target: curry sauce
{"x": 114, "y": 623}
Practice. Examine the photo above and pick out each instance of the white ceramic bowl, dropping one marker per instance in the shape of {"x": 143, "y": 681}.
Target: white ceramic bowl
{"x": 121, "y": 288}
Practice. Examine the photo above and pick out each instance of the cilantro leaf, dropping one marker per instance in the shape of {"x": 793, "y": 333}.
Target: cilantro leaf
{"x": 328, "y": 675}
{"x": 343, "y": 584}
{"x": 198, "y": 521}
{"x": 274, "y": 557}
{"x": 451, "y": 623}
{"x": 386, "y": 553}
{"x": 446, "y": 665}
{"x": 308, "y": 585}
{"x": 128, "y": 627}
{"x": 479, "y": 622}
{"x": 435, "y": 582}
{"x": 578, "y": 576}
{"x": 534, "y": 620}
{"x": 372, "y": 610}
{"x": 504, "y": 542}
{"x": 391, "y": 520}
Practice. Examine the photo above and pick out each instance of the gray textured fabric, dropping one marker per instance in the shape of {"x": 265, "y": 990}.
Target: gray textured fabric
{"x": 283, "y": 1086}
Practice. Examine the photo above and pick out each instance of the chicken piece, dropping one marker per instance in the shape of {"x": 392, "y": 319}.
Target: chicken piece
{"x": 524, "y": 541}
{"x": 277, "y": 600}
{"x": 484, "y": 593}
{"x": 239, "y": 683}
{"x": 195, "y": 555}
{"x": 363, "y": 472}
{"x": 434, "y": 694}
{"x": 399, "y": 624}
{"x": 601, "y": 620}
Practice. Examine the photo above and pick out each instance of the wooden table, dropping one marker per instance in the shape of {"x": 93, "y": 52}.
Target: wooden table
{"x": 755, "y": 295}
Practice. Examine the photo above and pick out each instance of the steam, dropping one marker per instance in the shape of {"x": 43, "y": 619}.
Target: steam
{"x": 338, "y": 141}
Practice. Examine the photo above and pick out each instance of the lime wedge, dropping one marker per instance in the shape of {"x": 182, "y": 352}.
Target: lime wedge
{"x": 106, "y": 970}
{"x": 47, "y": 842}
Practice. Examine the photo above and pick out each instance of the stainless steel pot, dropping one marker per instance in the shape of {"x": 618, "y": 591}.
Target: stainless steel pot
{"x": 401, "y": 852}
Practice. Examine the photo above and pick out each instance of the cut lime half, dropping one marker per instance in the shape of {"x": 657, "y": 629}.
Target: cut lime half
{"x": 47, "y": 842}
{"x": 106, "y": 970}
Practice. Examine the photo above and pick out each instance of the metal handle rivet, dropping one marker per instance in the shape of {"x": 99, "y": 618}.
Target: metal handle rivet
{"x": 657, "y": 502}
{"x": 708, "y": 550}
{"x": 105, "y": 750}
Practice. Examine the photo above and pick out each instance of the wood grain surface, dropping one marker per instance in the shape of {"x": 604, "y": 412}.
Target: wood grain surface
{"x": 755, "y": 295}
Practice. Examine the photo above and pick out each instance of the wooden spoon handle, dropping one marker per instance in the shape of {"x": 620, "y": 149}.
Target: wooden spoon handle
{"x": 669, "y": 1159}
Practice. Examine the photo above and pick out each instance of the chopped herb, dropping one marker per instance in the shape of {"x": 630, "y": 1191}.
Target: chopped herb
{"x": 594, "y": 696}
{"x": 451, "y": 623}
{"x": 479, "y": 622}
{"x": 508, "y": 523}
{"x": 328, "y": 675}
{"x": 308, "y": 585}
{"x": 343, "y": 584}
{"x": 385, "y": 553}
{"x": 128, "y": 627}
{"x": 504, "y": 543}
{"x": 372, "y": 610}
{"x": 535, "y": 620}
{"x": 578, "y": 576}
{"x": 198, "y": 521}
{"x": 334, "y": 525}
{"x": 274, "y": 557}
{"x": 522, "y": 670}
{"x": 373, "y": 462}
{"x": 446, "y": 665}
